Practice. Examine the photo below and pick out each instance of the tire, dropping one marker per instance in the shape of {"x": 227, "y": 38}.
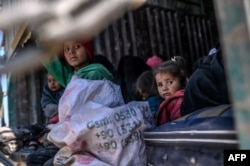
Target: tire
{"x": 5, "y": 161}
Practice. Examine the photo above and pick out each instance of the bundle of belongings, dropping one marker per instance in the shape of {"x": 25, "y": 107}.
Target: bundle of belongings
{"x": 96, "y": 128}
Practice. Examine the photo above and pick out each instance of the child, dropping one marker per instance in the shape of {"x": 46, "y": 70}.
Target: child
{"x": 171, "y": 78}
{"x": 77, "y": 59}
{"x": 50, "y": 99}
{"x": 128, "y": 70}
{"x": 146, "y": 90}
{"x": 49, "y": 102}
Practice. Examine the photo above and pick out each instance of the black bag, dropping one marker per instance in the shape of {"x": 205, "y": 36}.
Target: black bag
{"x": 207, "y": 86}
{"x": 199, "y": 138}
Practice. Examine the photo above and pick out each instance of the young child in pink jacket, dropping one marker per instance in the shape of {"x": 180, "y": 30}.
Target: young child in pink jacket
{"x": 171, "y": 78}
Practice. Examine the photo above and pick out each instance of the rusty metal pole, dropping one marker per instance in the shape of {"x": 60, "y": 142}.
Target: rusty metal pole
{"x": 234, "y": 37}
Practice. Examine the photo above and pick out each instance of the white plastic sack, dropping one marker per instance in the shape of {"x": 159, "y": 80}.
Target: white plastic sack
{"x": 79, "y": 91}
{"x": 95, "y": 129}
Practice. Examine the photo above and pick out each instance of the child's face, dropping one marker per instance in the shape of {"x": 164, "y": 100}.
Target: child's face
{"x": 75, "y": 54}
{"x": 52, "y": 83}
{"x": 167, "y": 84}
{"x": 143, "y": 95}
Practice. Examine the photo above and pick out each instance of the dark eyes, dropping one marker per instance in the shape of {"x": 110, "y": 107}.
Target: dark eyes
{"x": 168, "y": 84}
{"x": 75, "y": 47}
{"x": 66, "y": 49}
{"x": 159, "y": 85}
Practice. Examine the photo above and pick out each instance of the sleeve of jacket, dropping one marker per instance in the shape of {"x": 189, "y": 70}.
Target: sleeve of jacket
{"x": 50, "y": 110}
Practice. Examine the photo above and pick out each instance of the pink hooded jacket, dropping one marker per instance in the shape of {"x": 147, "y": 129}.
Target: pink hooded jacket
{"x": 169, "y": 109}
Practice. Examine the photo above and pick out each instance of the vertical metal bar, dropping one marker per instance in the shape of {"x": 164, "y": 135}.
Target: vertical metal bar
{"x": 204, "y": 29}
{"x": 23, "y": 103}
{"x": 150, "y": 26}
{"x": 235, "y": 40}
{"x": 17, "y": 93}
{"x": 117, "y": 48}
{"x": 132, "y": 33}
{"x": 107, "y": 43}
{"x": 177, "y": 22}
{"x": 97, "y": 46}
{"x": 124, "y": 37}
{"x": 172, "y": 32}
{"x": 210, "y": 34}
{"x": 190, "y": 43}
{"x": 33, "y": 98}
{"x": 165, "y": 36}
{"x": 158, "y": 32}
{"x": 12, "y": 114}
{"x": 200, "y": 37}
{"x": 190, "y": 39}
{"x": 194, "y": 31}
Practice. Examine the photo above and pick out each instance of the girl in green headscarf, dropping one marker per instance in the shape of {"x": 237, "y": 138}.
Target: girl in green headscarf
{"x": 78, "y": 56}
